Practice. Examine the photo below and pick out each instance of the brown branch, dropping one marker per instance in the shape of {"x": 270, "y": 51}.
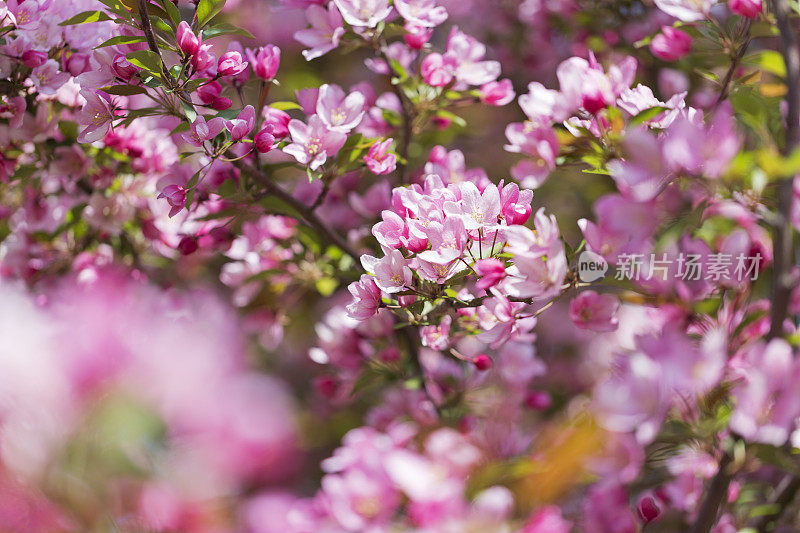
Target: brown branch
{"x": 716, "y": 494}
{"x": 305, "y": 212}
{"x": 736, "y": 59}
{"x": 783, "y": 238}
{"x": 147, "y": 28}
{"x": 782, "y": 282}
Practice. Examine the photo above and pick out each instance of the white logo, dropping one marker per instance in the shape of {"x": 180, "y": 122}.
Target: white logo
{"x": 591, "y": 266}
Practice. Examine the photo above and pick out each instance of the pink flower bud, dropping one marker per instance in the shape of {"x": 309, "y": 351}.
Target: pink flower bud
{"x": 265, "y": 61}
{"x": 491, "y": 271}
{"x": 482, "y": 362}
{"x": 203, "y": 59}
{"x": 671, "y": 44}
{"x": 438, "y": 70}
{"x": 76, "y": 64}
{"x": 188, "y": 245}
{"x": 326, "y": 386}
{"x": 265, "y": 140}
{"x": 123, "y": 68}
{"x": 417, "y": 36}
{"x": 538, "y": 400}
{"x": 497, "y": 93}
{"x": 33, "y": 58}
{"x": 746, "y": 8}
{"x": 176, "y": 197}
{"x": 378, "y": 160}
{"x": 279, "y": 120}
{"x": 187, "y": 40}
{"x": 231, "y": 64}
{"x": 648, "y": 509}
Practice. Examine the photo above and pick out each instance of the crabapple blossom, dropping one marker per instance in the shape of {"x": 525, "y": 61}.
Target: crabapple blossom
{"x": 671, "y": 44}
{"x": 202, "y": 131}
{"x": 379, "y": 160}
{"x": 314, "y": 142}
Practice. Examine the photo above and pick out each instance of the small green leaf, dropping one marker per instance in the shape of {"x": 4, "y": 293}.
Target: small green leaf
{"x": 146, "y": 59}
{"x": 172, "y": 10}
{"x": 85, "y": 18}
{"x": 124, "y": 90}
{"x": 207, "y": 10}
{"x": 223, "y": 28}
{"x": 285, "y": 106}
{"x": 122, "y": 39}
{"x": 647, "y": 114}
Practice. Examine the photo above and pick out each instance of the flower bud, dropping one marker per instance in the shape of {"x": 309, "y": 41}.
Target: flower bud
{"x": 264, "y": 140}
{"x": 648, "y": 509}
{"x": 482, "y": 362}
{"x": 671, "y": 44}
{"x": 265, "y": 61}
{"x": 188, "y": 42}
{"x": 231, "y": 64}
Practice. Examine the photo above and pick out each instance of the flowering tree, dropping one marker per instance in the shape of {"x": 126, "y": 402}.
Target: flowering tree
{"x": 262, "y": 288}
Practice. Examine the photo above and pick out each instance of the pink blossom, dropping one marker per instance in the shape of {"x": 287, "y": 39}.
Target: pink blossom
{"x": 417, "y": 36}
{"x": 96, "y": 115}
{"x": 468, "y": 54}
{"x": 437, "y": 337}
{"x": 491, "y": 272}
{"x": 593, "y": 311}
{"x": 210, "y": 93}
{"x": 278, "y": 120}
{"x": 424, "y": 13}
{"x": 340, "y": 112}
{"x": 392, "y": 273}
{"x": 438, "y": 70}
{"x": 264, "y": 140}
{"x": 476, "y": 209}
{"x": 359, "y": 500}
{"x": 391, "y": 231}
{"x": 366, "y": 298}
{"x": 48, "y": 77}
{"x": 203, "y": 59}
{"x": 686, "y": 10}
{"x": 500, "y": 319}
{"x": 671, "y": 44}
{"x": 201, "y": 131}
{"x": 33, "y": 58}
{"x": 242, "y": 125}
{"x": 188, "y": 42}
{"x": 379, "y": 160}
{"x": 265, "y": 61}
{"x": 325, "y": 32}
{"x": 498, "y": 93}
{"x": 231, "y": 64}
{"x": 364, "y": 13}
{"x": 746, "y": 8}
{"x": 313, "y": 143}
{"x": 765, "y": 406}
{"x": 176, "y": 197}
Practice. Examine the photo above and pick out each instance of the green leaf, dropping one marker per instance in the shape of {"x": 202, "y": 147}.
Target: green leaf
{"x": 326, "y": 286}
{"x": 647, "y": 114}
{"x": 455, "y": 119}
{"x": 171, "y": 10}
{"x": 188, "y": 109}
{"x": 223, "y": 28}
{"x": 122, "y": 39}
{"x": 117, "y": 7}
{"x": 207, "y": 10}
{"x": 285, "y": 106}
{"x": 772, "y": 62}
{"x": 85, "y": 18}
{"x": 146, "y": 59}
{"x": 124, "y": 90}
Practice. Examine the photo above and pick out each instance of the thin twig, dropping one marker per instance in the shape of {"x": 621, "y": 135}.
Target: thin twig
{"x": 735, "y": 61}
{"x": 306, "y": 213}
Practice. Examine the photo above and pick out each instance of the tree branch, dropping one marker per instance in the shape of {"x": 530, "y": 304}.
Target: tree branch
{"x": 783, "y": 254}
{"x": 306, "y": 213}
